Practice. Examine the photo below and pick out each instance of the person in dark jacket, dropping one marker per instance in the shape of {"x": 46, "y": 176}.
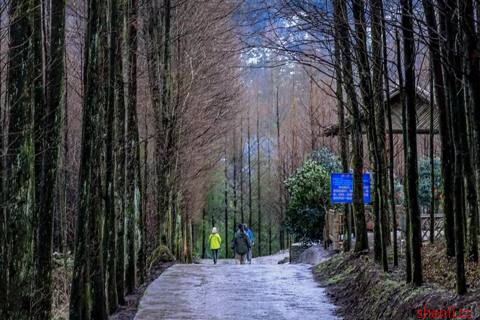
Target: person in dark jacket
{"x": 250, "y": 234}
{"x": 241, "y": 244}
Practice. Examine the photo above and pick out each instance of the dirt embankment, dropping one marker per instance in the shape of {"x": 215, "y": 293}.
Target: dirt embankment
{"x": 361, "y": 290}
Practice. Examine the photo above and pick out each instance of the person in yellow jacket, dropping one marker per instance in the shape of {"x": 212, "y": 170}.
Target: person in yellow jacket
{"x": 215, "y": 242}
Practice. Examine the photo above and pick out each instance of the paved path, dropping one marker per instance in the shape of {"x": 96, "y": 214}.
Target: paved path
{"x": 207, "y": 291}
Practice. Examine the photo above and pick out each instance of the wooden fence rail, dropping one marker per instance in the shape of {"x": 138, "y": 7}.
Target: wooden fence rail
{"x": 333, "y": 230}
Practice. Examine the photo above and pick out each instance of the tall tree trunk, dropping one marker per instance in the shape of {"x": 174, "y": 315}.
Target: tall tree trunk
{"x": 259, "y": 198}
{"x": 176, "y": 202}
{"x": 153, "y": 62}
{"x": 65, "y": 174}
{"x": 412, "y": 164}
{"x": 269, "y": 188}
{"x": 120, "y": 155}
{"x": 3, "y": 211}
{"x": 379, "y": 125}
{"x": 19, "y": 161}
{"x": 369, "y": 120}
{"x": 390, "y": 136}
{"x": 225, "y": 192}
{"x": 432, "y": 163}
{"x": 313, "y": 138}
{"x": 141, "y": 215}
{"x": 168, "y": 119}
{"x": 473, "y": 79}
{"x": 361, "y": 243}
{"x": 88, "y": 280}
{"x": 280, "y": 171}
{"x": 235, "y": 180}
{"x": 242, "y": 149}
{"x": 189, "y": 240}
{"x": 42, "y": 223}
{"x": 110, "y": 216}
{"x": 43, "y": 219}
{"x": 341, "y": 120}
{"x": 453, "y": 57}
{"x": 448, "y": 157}
{"x": 142, "y": 264}
{"x": 133, "y": 185}
{"x": 249, "y": 146}
{"x": 408, "y": 238}
{"x": 204, "y": 230}
{"x": 51, "y": 125}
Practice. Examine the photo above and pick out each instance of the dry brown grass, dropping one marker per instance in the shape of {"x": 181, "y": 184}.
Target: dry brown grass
{"x": 61, "y": 292}
{"x": 441, "y": 270}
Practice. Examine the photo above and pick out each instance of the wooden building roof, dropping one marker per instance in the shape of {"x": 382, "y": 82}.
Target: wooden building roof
{"x": 423, "y": 115}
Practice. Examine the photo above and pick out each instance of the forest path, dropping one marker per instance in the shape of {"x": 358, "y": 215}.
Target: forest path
{"x": 262, "y": 290}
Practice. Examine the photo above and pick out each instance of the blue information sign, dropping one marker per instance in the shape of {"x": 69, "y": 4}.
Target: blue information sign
{"x": 342, "y": 187}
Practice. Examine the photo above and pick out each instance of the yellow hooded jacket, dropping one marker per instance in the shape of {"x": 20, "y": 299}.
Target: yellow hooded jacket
{"x": 214, "y": 241}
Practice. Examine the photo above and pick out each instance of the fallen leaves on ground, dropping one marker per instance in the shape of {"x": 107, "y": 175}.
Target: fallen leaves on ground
{"x": 441, "y": 270}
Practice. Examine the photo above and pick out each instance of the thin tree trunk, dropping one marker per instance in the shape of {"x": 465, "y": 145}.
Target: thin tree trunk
{"x": 204, "y": 230}
{"x": 3, "y": 213}
{"x": 361, "y": 243}
{"x": 432, "y": 164}
{"x": 42, "y": 219}
{"x": 270, "y": 213}
{"x": 412, "y": 164}
{"x": 189, "y": 237}
{"x": 225, "y": 191}
{"x": 242, "y": 149}
{"x": 168, "y": 120}
{"x": 235, "y": 180}
{"x": 448, "y": 157}
{"x": 145, "y": 199}
{"x": 153, "y": 62}
{"x": 408, "y": 249}
{"x": 341, "y": 121}
{"x": 141, "y": 215}
{"x": 133, "y": 185}
{"x": 259, "y": 199}
{"x": 313, "y": 138}
{"x": 379, "y": 125}
{"x": 249, "y": 146}
{"x": 110, "y": 216}
{"x": 280, "y": 171}
{"x": 64, "y": 187}
{"x": 390, "y": 136}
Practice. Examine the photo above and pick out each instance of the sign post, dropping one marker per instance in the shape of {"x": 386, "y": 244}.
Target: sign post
{"x": 342, "y": 187}
{"x": 342, "y": 190}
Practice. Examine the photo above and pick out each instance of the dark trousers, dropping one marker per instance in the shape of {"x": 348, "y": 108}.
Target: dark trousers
{"x": 215, "y": 255}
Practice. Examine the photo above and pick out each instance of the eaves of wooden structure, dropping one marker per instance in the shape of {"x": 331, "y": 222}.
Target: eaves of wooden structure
{"x": 423, "y": 115}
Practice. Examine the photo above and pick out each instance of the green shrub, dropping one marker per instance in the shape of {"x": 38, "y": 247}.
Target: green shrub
{"x": 424, "y": 188}
{"x": 309, "y": 191}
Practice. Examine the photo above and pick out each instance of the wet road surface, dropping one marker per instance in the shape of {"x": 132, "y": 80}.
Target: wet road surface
{"x": 263, "y": 290}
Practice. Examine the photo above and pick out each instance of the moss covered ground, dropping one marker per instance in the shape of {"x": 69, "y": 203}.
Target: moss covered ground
{"x": 361, "y": 290}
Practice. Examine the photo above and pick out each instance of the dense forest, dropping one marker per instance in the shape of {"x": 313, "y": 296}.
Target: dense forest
{"x": 130, "y": 126}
